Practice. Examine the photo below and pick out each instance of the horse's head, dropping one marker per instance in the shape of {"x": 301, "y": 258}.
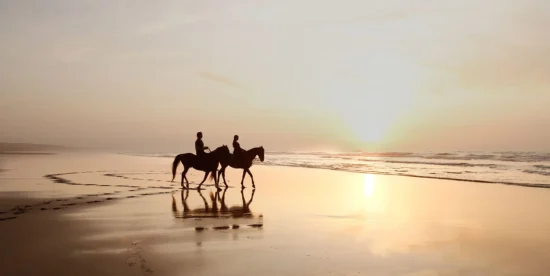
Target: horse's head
{"x": 222, "y": 151}
{"x": 261, "y": 153}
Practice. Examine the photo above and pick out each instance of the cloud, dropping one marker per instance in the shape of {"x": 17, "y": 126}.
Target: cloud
{"x": 223, "y": 80}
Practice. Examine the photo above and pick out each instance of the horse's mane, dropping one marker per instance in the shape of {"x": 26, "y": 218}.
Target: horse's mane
{"x": 220, "y": 147}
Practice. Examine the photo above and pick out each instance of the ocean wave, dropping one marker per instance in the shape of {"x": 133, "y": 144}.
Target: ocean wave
{"x": 547, "y": 173}
{"x": 444, "y": 154}
{"x": 524, "y": 157}
{"x": 378, "y": 154}
{"x": 530, "y": 157}
{"x": 170, "y": 155}
{"x": 528, "y": 169}
{"x": 463, "y": 157}
{"x": 356, "y": 168}
{"x": 461, "y": 164}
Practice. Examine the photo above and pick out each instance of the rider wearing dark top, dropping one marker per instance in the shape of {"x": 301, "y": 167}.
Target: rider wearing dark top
{"x": 199, "y": 145}
{"x": 237, "y": 150}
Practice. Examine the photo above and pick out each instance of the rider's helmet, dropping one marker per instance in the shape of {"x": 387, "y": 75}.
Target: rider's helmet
{"x": 199, "y": 134}
{"x": 236, "y": 137}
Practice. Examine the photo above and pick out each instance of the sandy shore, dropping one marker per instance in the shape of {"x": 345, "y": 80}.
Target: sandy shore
{"x": 98, "y": 214}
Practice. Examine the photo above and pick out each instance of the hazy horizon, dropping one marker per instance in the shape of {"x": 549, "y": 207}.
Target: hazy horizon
{"x": 288, "y": 75}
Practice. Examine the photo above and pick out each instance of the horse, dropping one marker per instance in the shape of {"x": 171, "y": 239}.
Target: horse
{"x": 245, "y": 162}
{"x": 208, "y": 164}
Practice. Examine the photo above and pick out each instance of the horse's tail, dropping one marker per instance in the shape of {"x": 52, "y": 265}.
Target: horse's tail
{"x": 177, "y": 160}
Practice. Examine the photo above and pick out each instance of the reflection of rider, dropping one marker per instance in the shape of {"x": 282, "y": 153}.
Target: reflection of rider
{"x": 199, "y": 145}
{"x": 237, "y": 150}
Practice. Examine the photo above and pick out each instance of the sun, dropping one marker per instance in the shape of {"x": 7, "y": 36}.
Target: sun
{"x": 386, "y": 90}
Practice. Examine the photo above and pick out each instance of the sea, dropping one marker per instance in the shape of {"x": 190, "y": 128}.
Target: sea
{"x": 530, "y": 169}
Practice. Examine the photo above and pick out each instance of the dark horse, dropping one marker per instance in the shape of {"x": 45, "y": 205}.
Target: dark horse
{"x": 208, "y": 164}
{"x": 244, "y": 162}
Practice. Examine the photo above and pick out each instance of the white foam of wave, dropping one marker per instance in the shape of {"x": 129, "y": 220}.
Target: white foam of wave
{"x": 530, "y": 169}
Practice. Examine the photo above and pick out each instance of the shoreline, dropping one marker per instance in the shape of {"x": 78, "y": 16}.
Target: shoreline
{"x": 396, "y": 173}
{"x": 316, "y": 222}
{"x": 543, "y": 186}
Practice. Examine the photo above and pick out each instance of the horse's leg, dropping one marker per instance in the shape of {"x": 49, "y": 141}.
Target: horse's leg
{"x": 251, "y": 177}
{"x": 223, "y": 174}
{"x": 204, "y": 179}
{"x": 219, "y": 173}
{"x": 242, "y": 180}
{"x": 216, "y": 180}
{"x": 183, "y": 177}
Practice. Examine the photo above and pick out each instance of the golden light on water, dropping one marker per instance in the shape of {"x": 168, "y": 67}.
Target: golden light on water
{"x": 369, "y": 185}
{"x": 375, "y": 195}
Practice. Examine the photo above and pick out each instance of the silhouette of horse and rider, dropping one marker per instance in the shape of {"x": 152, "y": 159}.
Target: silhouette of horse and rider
{"x": 208, "y": 162}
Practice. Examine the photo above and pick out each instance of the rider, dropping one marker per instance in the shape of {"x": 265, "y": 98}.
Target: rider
{"x": 199, "y": 145}
{"x": 237, "y": 150}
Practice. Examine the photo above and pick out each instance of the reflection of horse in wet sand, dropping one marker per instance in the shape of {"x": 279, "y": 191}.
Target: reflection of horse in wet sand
{"x": 213, "y": 211}
{"x": 192, "y": 213}
{"x": 241, "y": 161}
{"x": 237, "y": 211}
{"x": 208, "y": 164}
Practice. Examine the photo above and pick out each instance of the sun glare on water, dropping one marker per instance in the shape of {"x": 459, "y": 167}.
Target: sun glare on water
{"x": 375, "y": 199}
{"x": 369, "y": 185}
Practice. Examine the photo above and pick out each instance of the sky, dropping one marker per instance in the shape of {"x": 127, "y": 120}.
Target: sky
{"x": 393, "y": 75}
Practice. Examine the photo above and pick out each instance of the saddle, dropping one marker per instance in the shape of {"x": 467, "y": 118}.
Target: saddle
{"x": 237, "y": 158}
{"x": 202, "y": 159}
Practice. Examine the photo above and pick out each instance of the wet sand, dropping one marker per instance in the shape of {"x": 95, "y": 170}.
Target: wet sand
{"x": 98, "y": 214}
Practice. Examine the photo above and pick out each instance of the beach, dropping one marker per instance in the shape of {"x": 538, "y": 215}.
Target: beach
{"x": 108, "y": 214}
